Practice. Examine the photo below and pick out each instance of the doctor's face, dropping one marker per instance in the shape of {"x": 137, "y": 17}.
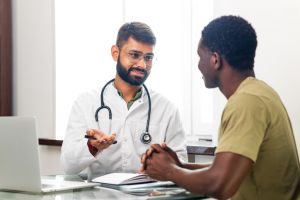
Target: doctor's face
{"x": 134, "y": 62}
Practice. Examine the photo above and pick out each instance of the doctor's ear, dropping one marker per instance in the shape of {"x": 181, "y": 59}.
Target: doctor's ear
{"x": 115, "y": 52}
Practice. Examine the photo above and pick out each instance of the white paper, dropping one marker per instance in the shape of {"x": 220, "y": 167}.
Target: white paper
{"x": 123, "y": 178}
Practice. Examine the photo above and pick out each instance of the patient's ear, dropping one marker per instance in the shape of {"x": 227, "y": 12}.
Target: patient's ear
{"x": 115, "y": 52}
{"x": 216, "y": 61}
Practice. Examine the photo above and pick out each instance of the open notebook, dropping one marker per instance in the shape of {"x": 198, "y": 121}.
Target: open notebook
{"x": 143, "y": 185}
{"x": 130, "y": 182}
{"x": 123, "y": 179}
{"x": 19, "y": 158}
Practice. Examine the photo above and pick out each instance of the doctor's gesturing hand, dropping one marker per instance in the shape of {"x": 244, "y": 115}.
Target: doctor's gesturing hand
{"x": 100, "y": 140}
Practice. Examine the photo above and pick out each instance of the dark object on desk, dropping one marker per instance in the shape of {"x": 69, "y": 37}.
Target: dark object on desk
{"x": 201, "y": 150}
{"x": 172, "y": 195}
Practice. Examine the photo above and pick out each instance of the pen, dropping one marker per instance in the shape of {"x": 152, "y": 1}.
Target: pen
{"x": 92, "y": 138}
{"x": 204, "y": 139}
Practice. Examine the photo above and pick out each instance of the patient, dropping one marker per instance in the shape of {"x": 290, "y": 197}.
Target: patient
{"x": 256, "y": 156}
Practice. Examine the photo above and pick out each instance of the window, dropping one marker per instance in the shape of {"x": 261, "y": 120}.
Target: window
{"x": 86, "y": 30}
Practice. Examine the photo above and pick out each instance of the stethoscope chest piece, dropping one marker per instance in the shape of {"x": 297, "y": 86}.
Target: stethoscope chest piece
{"x": 146, "y": 138}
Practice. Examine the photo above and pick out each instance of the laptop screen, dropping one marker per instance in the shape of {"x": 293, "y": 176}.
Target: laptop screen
{"x": 19, "y": 156}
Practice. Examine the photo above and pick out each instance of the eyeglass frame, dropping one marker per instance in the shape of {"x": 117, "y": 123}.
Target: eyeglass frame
{"x": 141, "y": 55}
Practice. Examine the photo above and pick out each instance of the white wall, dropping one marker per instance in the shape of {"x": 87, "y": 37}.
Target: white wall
{"x": 33, "y": 74}
{"x": 33, "y": 60}
{"x": 276, "y": 22}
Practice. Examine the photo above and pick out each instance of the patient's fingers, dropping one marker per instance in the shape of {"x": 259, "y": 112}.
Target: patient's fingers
{"x": 157, "y": 148}
{"x": 143, "y": 158}
{"x": 165, "y": 147}
{"x": 149, "y": 152}
{"x": 147, "y": 155}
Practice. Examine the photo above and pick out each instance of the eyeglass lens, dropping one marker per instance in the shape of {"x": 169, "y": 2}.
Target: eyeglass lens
{"x": 136, "y": 56}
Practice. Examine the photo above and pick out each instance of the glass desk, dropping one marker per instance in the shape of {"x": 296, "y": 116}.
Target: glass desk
{"x": 98, "y": 193}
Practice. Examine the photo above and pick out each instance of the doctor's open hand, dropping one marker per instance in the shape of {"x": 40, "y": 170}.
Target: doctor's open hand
{"x": 102, "y": 140}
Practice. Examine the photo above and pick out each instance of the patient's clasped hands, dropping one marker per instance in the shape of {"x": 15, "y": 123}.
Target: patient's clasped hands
{"x": 159, "y": 161}
{"x": 102, "y": 140}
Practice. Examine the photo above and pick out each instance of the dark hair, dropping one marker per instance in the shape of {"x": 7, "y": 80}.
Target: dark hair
{"x": 139, "y": 31}
{"x": 233, "y": 38}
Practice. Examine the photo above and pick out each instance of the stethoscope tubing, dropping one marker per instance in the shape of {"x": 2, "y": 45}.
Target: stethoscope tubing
{"x": 102, "y": 103}
{"x": 145, "y": 137}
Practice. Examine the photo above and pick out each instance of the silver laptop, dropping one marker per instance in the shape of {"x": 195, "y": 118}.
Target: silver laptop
{"x": 19, "y": 159}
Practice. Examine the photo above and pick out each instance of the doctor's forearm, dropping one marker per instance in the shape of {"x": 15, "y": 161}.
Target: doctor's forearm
{"x": 76, "y": 157}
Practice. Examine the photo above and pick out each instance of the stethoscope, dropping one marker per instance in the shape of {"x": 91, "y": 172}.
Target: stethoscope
{"x": 145, "y": 136}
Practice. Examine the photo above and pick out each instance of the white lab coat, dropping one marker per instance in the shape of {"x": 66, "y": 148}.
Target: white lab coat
{"x": 165, "y": 125}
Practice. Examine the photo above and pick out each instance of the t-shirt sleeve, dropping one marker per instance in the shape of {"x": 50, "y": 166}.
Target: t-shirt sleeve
{"x": 243, "y": 126}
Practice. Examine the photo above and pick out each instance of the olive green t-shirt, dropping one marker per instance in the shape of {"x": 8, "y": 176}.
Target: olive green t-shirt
{"x": 255, "y": 124}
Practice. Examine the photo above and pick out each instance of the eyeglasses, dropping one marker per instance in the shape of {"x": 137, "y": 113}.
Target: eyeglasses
{"x": 136, "y": 56}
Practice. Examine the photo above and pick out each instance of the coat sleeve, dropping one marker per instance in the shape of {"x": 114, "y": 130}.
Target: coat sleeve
{"x": 175, "y": 137}
{"x": 75, "y": 155}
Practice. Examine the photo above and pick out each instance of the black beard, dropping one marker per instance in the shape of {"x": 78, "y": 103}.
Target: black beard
{"x": 135, "y": 81}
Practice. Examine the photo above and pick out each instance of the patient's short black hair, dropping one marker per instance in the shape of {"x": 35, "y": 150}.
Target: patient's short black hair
{"x": 233, "y": 38}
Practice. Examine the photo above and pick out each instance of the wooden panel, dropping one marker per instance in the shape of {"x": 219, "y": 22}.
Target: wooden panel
{"x": 5, "y": 58}
{"x": 50, "y": 142}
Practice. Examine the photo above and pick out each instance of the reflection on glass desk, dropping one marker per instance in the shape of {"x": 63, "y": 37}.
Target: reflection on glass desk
{"x": 102, "y": 193}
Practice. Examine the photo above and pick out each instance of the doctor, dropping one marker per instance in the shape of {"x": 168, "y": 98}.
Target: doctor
{"x": 123, "y": 118}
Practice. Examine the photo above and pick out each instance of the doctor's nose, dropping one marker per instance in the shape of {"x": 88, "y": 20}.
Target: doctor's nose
{"x": 142, "y": 63}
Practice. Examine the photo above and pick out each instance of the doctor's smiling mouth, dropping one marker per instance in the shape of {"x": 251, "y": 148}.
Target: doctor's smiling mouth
{"x": 134, "y": 75}
{"x": 136, "y": 71}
